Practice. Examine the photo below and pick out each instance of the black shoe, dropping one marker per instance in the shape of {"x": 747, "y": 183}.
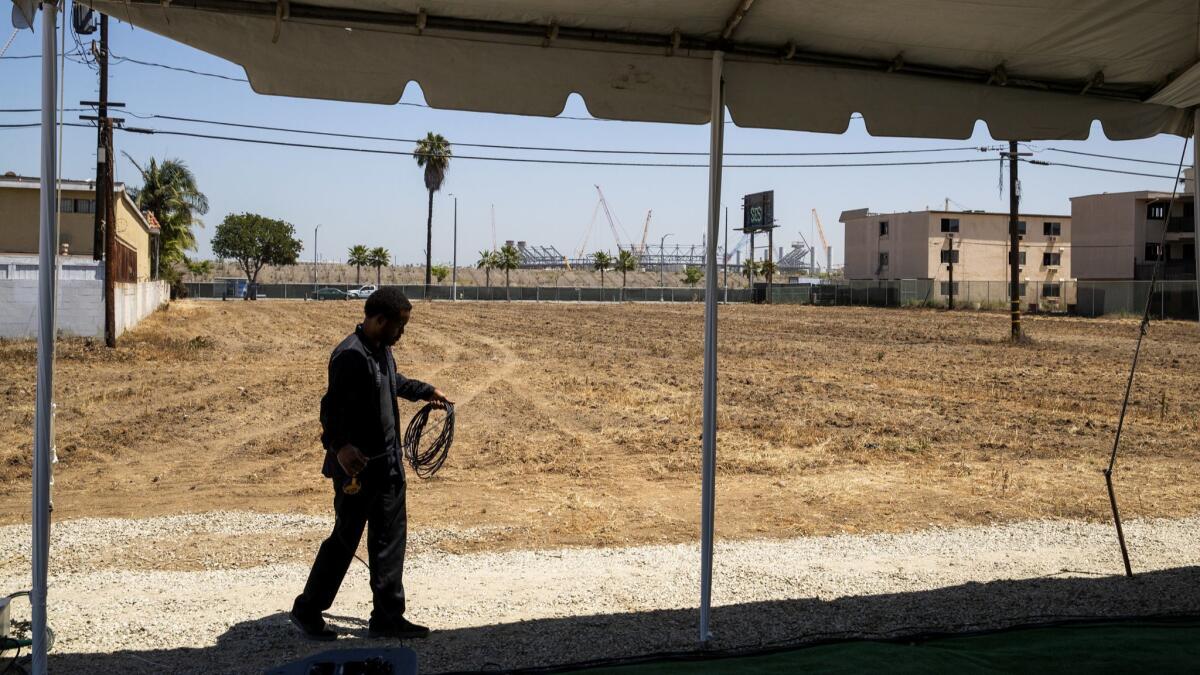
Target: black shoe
{"x": 313, "y": 627}
{"x": 401, "y": 629}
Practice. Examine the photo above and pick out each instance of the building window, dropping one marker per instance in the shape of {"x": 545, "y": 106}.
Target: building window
{"x": 883, "y": 228}
{"x": 949, "y": 224}
{"x": 946, "y": 288}
{"x": 67, "y": 206}
{"x": 1020, "y": 258}
{"x": 1022, "y": 290}
{"x": 949, "y": 256}
{"x": 1021, "y": 228}
{"x": 1051, "y": 290}
{"x": 1051, "y": 259}
{"x": 883, "y": 259}
{"x": 1153, "y": 251}
{"x": 1052, "y": 229}
{"x": 1156, "y": 211}
{"x": 78, "y": 205}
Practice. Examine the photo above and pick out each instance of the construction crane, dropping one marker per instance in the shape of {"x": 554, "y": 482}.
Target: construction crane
{"x": 494, "y": 227}
{"x": 613, "y": 222}
{"x": 641, "y": 250}
{"x": 824, "y": 243}
{"x": 588, "y": 232}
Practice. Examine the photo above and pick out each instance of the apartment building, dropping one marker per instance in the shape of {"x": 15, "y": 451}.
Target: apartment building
{"x": 1120, "y": 236}
{"x": 924, "y": 244}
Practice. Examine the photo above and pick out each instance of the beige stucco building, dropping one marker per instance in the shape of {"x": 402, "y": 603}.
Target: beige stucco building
{"x": 922, "y": 244}
{"x": 19, "y": 209}
{"x": 1119, "y": 236}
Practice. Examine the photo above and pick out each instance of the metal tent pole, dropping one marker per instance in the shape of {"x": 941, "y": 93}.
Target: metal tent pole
{"x": 47, "y": 248}
{"x": 709, "y": 437}
{"x": 1196, "y": 202}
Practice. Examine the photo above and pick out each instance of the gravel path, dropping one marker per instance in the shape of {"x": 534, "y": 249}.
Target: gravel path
{"x": 525, "y": 608}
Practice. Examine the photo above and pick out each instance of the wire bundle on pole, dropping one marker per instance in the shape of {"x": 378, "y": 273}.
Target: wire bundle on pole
{"x": 427, "y": 462}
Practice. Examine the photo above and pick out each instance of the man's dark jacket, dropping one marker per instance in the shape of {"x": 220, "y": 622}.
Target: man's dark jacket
{"x": 360, "y": 379}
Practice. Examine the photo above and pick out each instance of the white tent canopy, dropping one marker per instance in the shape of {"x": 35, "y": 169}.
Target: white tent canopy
{"x": 1030, "y": 69}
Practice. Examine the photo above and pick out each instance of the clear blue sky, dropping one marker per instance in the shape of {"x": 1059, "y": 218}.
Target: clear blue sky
{"x": 381, "y": 200}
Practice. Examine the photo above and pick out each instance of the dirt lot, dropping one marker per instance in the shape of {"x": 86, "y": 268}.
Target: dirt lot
{"x": 579, "y": 424}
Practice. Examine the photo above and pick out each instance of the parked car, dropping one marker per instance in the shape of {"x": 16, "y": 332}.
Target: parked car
{"x": 330, "y": 294}
{"x": 364, "y": 292}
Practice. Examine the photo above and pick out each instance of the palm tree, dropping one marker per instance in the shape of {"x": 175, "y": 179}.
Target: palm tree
{"x": 750, "y": 268}
{"x": 507, "y": 258}
{"x": 169, "y": 191}
{"x": 379, "y": 258}
{"x": 487, "y": 262}
{"x": 601, "y": 261}
{"x": 768, "y": 269}
{"x": 360, "y": 257}
{"x": 626, "y": 262}
{"x": 432, "y": 153}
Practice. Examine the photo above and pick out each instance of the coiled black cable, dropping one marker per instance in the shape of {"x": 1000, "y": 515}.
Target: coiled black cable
{"x": 426, "y": 462}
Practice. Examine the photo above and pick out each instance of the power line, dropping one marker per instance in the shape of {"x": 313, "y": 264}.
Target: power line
{"x": 529, "y": 160}
{"x": 126, "y": 59}
{"x": 1040, "y": 162}
{"x": 1123, "y": 159}
{"x": 494, "y": 146}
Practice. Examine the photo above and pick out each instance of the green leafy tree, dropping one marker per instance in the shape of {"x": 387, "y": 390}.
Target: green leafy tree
{"x": 626, "y": 262}
{"x": 432, "y": 154}
{"x": 379, "y": 258}
{"x": 487, "y": 263}
{"x": 360, "y": 257}
{"x": 508, "y": 259}
{"x": 169, "y": 191}
{"x": 601, "y": 261}
{"x": 255, "y": 241}
{"x": 692, "y": 275}
{"x": 440, "y": 272}
{"x": 200, "y": 268}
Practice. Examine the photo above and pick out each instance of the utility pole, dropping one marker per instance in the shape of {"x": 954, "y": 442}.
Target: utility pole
{"x": 102, "y": 196}
{"x": 1014, "y": 246}
{"x": 315, "y": 230}
{"x": 950, "y": 257}
{"x": 110, "y": 242}
{"x": 750, "y": 269}
{"x": 725, "y": 272}
{"x": 454, "y": 256}
{"x": 104, "y": 235}
{"x": 770, "y": 259}
{"x": 661, "y": 264}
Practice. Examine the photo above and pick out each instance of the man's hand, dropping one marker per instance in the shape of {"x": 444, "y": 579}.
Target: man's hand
{"x": 351, "y": 459}
{"x": 438, "y": 397}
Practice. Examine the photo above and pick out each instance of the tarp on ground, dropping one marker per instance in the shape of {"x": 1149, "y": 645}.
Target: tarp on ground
{"x": 1030, "y": 69}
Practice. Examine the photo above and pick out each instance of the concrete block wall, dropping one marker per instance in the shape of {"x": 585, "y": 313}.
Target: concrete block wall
{"x": 135, "y": 302}
{"x": 80, "y": 306}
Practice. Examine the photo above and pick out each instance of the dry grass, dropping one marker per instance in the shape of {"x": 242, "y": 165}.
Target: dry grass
{"x": 579, "y": 424}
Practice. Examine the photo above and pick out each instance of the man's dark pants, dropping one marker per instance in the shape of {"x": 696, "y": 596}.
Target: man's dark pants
{"x": 379, "y": 506}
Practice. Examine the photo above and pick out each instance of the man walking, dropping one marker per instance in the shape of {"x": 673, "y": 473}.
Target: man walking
{"x": 359, "y": 416}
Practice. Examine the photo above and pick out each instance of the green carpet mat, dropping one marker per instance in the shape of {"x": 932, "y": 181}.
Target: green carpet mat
{"x": 1168, "y": 646}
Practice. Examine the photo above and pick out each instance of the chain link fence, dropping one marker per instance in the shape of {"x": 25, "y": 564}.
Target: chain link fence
{"x": 1172, "y": 299}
